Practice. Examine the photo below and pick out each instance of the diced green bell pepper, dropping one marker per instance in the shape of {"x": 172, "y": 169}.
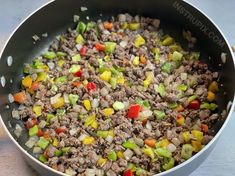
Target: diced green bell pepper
{"x": 161, "y": 89}
{"x": 112, "y": 156}
{"x": 81, "y": 27}
{"x": 42, "y": 158}
{"x": 163, "y": 152}
{"x": 166, "y": 67}
{"x": 186, "y": 151}
{"x": 33, "y": 131}
{"x": 76, "y": 58}
{"x": 110, "y": 47}
{"x": 159, "y": 114}
{"x": 73, "y": 99}
{"x": 43, "y": 143}
{"x": 170, "y": 164}
{"x": 129, "y": 145}
{"x": 49, "y": 55}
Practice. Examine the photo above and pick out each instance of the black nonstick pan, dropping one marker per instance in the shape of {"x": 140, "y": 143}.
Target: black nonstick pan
{"x": 56, "y": 16}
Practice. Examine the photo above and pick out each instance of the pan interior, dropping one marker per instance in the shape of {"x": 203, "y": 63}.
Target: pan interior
{"x": 50, "y": 20}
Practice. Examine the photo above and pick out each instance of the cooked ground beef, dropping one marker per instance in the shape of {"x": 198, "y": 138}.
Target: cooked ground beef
{"x": 117, "y": 97}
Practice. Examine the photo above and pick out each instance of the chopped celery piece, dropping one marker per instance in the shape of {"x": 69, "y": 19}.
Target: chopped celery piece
{"x": 102, "y": 134}
{"x": 73, "y": 99}
{"x": 129, "y": 145}
{"x": 49, "y": 55}
{"x": 161, "y": 89}
{"x": 172, "y": 105}
{"x": 191, "y": 98}
{"x": 166, "y": 67}
{"x": 110, "y": 47}
{"x": 43, "y": 143}
{"x": 163, "y": 152}
{"x": 41, "y": 76}
{"x": 177, "y": 56}
{"x": 213, "y": 106}
{"x": 167, "y": 41}
{"x": 76, "y": 58}
{"x": 74, "y": 68}
{"x": 90, "y": 25}
{"x": 65, "y": 149}
{"x": 33, "y": 131}
{"x": 79, "y": 39}
{"x": 159, "y": 114}
{"x": 49, "y": 117}
{"x": 114, "y": 71}
{"x": 42, "y": 158}
{"x": 113, "y": 82}
{"x": 58, "y": 153}
{"x": 182, "y": 87}
{"x": 187, "y": 151}
{"x": 60, "y": 54}
{"x": 106, "y": 58}
{"x": 101, "y": 63}
{"x": 54, "y": 88}
{"x": 112, "y": 156}
{"x": 134, "y": 26}
{"x": 169, "y": 164}
{"x": 61, "y": 80}
{"x": 81, "y": 28}
{"x": 37, "y": 63}
{"x": 149, "y": 152}
{"x": 205, "y": 106}
{"x": 117, "y": 105}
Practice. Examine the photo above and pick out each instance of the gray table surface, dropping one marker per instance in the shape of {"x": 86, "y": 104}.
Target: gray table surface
{"x": 221, "y": 162}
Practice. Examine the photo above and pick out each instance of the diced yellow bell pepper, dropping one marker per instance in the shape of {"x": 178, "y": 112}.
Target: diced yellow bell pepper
{"x": 163, "y": 143}
{"x": 170, "y": 56}
{"x": 45, "y": 68}
{"x": 79, "y": 39}
{"x": 37, "y": 110}
{"x": 124, "y": 25}
{"x": 210, "y": 96}
{"x": 136, "y": 61}
{"x": 60, "y": 102}
{"x": 197, "y": 146}
{"x": 111, "y": 133}
{"x": 87, "y": 104}
{"x": 106, "y": 76}
{"x": 27, "y": 82}
{"x": 89, "y": 120}
{"x": 167, "y": 41}
{"x": 148, "y": 80}
{"x": 55, "y": 142}
{"x": 101, "y": 162}
{"x": 146, "y": 83}
{"x": 41, "y": 76}
{"x": 60, "y": 62}
{"x": 121, "y": 80}
{"x": 85, "y": 82}
{"x": 198, "y": 135}
{"x": 180, "y": 120}
{"x": 186, "y": 136}
{"x": 88, "y": 140}
{"x": 134, "y": 26}
{"x": 94, "y": 124}
{"x": 213, "y": 87}
{"x": 139, "y": 40}
{"x": 120, "y": 154}
{"x": 108, "y": 112}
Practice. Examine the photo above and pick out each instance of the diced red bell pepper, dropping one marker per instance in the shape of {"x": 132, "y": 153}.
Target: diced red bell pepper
{"x": 83, "y": 51}
{"x": 99, "y": 47}
{"x": 78, "y": 73}
{"x": 40, "y": 133}
{"x": 31, "y": 122}
{"x": 133, "y": 112}
{"x": 91, "y": 86}
{"x": 61, "y": 130}
{"x": 128, "y": 173}
{"x": 46, "y": 135}
{"x": 195, "y": 104}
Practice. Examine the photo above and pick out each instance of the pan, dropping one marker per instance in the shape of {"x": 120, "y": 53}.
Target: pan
{"x": 56, "y": 16}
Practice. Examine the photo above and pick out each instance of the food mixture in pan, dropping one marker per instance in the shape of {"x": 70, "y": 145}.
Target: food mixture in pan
{"x": 117, "y": 98}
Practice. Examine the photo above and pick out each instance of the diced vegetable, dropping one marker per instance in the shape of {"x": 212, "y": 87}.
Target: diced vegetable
{"x": 106, "y": 76}
{"x": 124, "y": 25}
{"x": 88, "y": 140}
{"x": 89, "y": 26}
{"x": 182, "y": 87}
{"x": 108, "y": 112}
{"x": 134, "y": 26}
{"x": 186, "y": 136}
{"x": 20, "y": 97}
{"x": 74, "y": 68}
{"x": 160, "y": 89}
{"x": 140, "y": 172}
{"x": 73, "y": 99}
{"x": 31, "y": 122}
{"x": 110, "y": 47}
{"x": 195, "y": 104}
{"x": 81, "y": 28}
{"x": 100, "y": 47}
{"x": 49, "y": 55}
{"x": 163, "y": 152}
{"x": 136, "y": 61}
{"x": 59, "y": 130}
{"x": 213, "y": 87}
{"x": 78, "y": 73}
{"x": 43, "y": 143}
{"x": 112, "y": 156}
{"x": 87, "y": 104}
{"x": 194, "y": 55}
{"x": 83, "y": 51}
{"x": 197, "y": 146}
{"x": 210, "y": 106}
{"x": 65, "y": 150}
{"x": 101, "y": 161}
{"x": 191, "y": 98}
{"x": 120, "y": 154}
{"x": 61, "y": 80}
{"x": 79, "y": 39}
{"x": 186, "y": 151}
{"x": 91, "y": 86}
{"x": 172, "y": 105}
{"x": 149, "y": 152}
{"x": 60, "y": 54}
{"x": 33, "y": 131}
{"x": 37, "y": 110}
{"x": 210, "y": 96}
{"x": 89, "y": 120}
{"x": 41, "y": 76}
{"x": 167, "y": 41}
{"x": 42, "y": 158}
{"x": 159, "y": 114}
{"x": 150, "y": 142}
{"x": 204, "y": 128}
{"x": 198, "y": 135}
{"x": 27, "y": 82}
{"x": 76, "y": 58}
{"x": 60, "y": 63}
{"x": 129, "y": 145}
{"x": 134, "y": 111}
{"x": 167, "y": 67}
{"x": 117, "y": 105}
{"x": 180, "y": 119}
{"x": 58, "y": 153}
{"x": 139, "y": 41}
{"x": 163, "y": 143}
{"x": 102, "y": 134}
{"x": 143, "y": 60}
{"x": 59, "y": 103}
{"x": 170, "y": 164}
{"x": 128, "y": 173}
{"x": 177, "y": 56}
{"x": 108, "y": 25}
{"x": 180, "y": 108}
{"x": 113, "y": 82}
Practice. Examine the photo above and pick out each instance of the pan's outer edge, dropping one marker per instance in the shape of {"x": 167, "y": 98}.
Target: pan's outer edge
{"x": 160, "y": 174}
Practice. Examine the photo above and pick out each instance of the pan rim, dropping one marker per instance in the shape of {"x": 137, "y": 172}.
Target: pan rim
{"x": 218, "y": 134}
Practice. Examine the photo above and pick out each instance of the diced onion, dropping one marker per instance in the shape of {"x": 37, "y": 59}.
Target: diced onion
{"x": 37, "y": 150}
{"x": 66, "y": 98}
{"x": 104, "y": 91}
{"x": 84, "y": 9}
{"x": 15, "y": 114}
{"x": 123, "y": 44}
{"x": 223, "y": 57}
{"x": 18, "y": 130}
{"x": 90, "y": 172}
{"x": 73, "y": 131}
{"x": 78, "y": 46}
{"x": 31, "y": 142}
{"x": 128, "y": 154}
{"x": 70, "y": 172}
{"x": 51, "y": 65}
{"x": 54, "y": 99}
{"x": 3, "y": 81}
{"x": 148, "y": 125}
{"x": 10, "y": 98}
{"x": 42, "y": 124}
{"x": 171, "y": 147}
{"x": 106, "y": 32}
{"x": 146, "y": 113}
{"x": 109, "y": 139}
{"x": 95, "y": 103}
{"x": 9, "y": 60}
{"x": 82, "y": 137}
